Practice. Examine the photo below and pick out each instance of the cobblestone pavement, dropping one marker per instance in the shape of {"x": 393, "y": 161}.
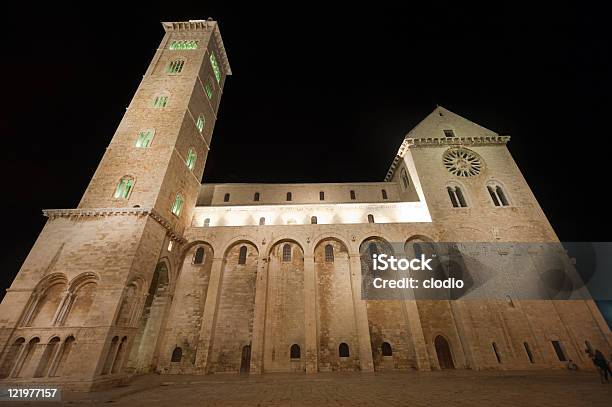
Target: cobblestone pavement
{"x": 440, "y": 388}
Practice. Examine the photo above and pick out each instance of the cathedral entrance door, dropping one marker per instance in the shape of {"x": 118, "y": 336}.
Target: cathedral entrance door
{"x": 445, "y": 357}
{"x": 245, "y": 360}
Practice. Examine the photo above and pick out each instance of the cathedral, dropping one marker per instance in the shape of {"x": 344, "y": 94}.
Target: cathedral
{"x": 154, "y": 271}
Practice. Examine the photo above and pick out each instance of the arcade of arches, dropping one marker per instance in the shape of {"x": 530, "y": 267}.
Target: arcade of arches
{"x": 245, "y": 309}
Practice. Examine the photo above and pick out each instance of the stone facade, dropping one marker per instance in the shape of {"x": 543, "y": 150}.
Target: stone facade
{"x": 172, "y": 276}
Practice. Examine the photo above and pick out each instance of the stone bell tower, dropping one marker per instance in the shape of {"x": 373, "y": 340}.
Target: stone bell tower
{"x": 82, "y": 302}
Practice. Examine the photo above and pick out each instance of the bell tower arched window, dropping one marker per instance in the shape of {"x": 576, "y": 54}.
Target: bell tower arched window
{"x": 145, "y": 137}
{"x": 177, "y": 206}
{"x": 191, "y": 158}
{"x": 200, "y": 122}
{"x": 176, "y": 66}
{"x": 124, "y": 187}
{"x": 160, "y": 101}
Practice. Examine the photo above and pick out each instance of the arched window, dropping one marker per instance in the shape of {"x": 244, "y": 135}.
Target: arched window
{"x": 208, "y": 88}
{"x": 321, "y": 196}
{"x": 183, "y": 45}
{"x": 198, "y": 257}
{"x": 26, "y": 358}
{"x": 109, "y": 355}
{"x": 118, "y": 362}
{"x": 287, "y": 252}
{"x": 370, "y": 218}
{"x": 124, "y": 187}
{"x": 384, "y": 193}
{"x": 12, "y": 355}
{"x": 57, "y": 369}
{"x": 79, "y": 303}
{"x": 200, "y": 122}
{"x": 295, "y": 351}
{"x": 443, "y": 351}
{"x": 206, "y": 222}
{"x": 559, "y": 351}
{"x": 177, "y": 354}
{"x": 313, "y": 220}
{"x": 404, "y": 177}
{"x": 452, "y": 196}
{"x": 176, "y": 66}
{"x": 343, "y": 350}
{"x": 177, "y": 206}
{"x": 256, "y": 197}
{"x": 460, "y": 197}
{"x": 497, "y": 355}
{"x": 242, "y": 255}
{"x": 145, "y": 138}
{"x": 45, "y": 360}
{"x": 160, "y": 101}
{"x": 498, "y": 196}
{"x": 353, "y": 197}
{"x": 329, "y": 253}
{"x": 262, "y": 221}
{"x": 191, "y": 158}
{"x": 386, "y": 349}
{"x": 528, "y": 351}
{"x": 226, "y": 197}
{"x": 501, "y": 195}
{"x": 215, "y": 67}
{"x": 289, "y": 196}
{"x": 456, "y": 196}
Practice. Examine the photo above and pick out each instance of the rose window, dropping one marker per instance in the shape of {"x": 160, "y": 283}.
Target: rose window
{"x": 462, "y": 162}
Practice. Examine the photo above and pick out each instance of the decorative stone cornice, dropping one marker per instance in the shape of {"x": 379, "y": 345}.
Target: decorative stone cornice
{"x": 457, "y": 141}
{"x": 439, "y": 141}
{"x": 101, "y": 212}
{"x": 202, "y": 25}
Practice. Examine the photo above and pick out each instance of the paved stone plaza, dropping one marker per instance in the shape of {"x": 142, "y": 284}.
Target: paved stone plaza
{"x": 439, "y": 388}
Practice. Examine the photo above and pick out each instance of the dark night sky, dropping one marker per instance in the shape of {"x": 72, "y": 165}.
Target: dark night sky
{"x": 318, "y": 95}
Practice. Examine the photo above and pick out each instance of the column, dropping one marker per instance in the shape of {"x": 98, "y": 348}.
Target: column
{"x": 259, "y": 319}
{"x": 54, "y": 360}
{"x": 413, "y": 319}
{"x": 19, "y": 361}
{"x": 60, "y": 313}
{"x": 209, "y": 317}
{"x": 361, "y": 315}
{"x": 310, "y": 315}
{"x": 461, "y": 317}
{"x": 30, "y": 307}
